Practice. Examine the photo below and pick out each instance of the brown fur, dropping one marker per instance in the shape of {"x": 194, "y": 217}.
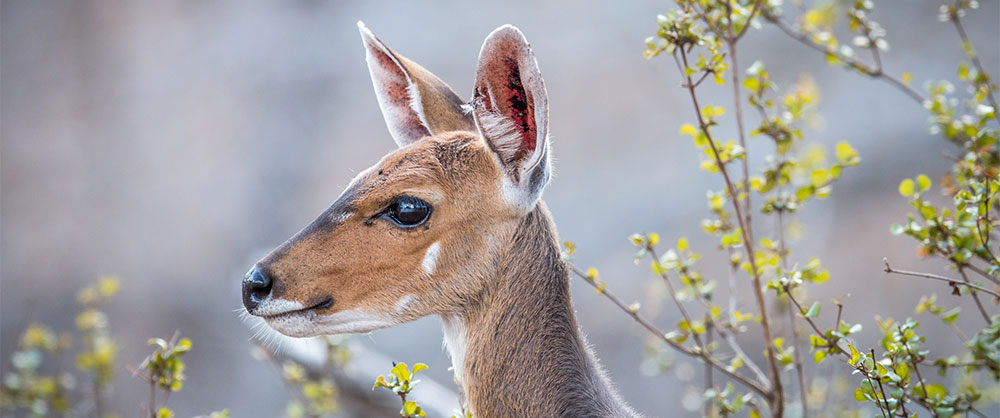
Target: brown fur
{"x": 499, "y": 272}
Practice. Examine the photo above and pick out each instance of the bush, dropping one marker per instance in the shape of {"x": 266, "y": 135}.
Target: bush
{"x": 703, "y": 38}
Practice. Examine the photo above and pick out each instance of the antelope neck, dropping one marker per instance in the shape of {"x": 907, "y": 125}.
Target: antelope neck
{"x": 518, "y": 351}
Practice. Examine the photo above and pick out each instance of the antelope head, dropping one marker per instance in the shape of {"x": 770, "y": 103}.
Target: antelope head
{"x": 420, "y": 232}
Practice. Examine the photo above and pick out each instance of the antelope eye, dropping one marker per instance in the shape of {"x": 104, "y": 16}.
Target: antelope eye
{"x": 408, "y": 212}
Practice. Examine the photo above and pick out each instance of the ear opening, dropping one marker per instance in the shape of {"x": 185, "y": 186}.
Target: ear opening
{"x": 415, "y": 103}
{"x": 510, "y": 105}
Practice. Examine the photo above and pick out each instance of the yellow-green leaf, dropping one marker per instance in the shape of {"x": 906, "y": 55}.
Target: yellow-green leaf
{"x": 923, "y": 183}
{"x": 906, "y": 188}
{"x": 418, "y": 367}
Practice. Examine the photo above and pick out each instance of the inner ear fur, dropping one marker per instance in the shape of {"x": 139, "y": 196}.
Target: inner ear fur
{"x": 511, "y": 110}
{"x": 415, "y": 103}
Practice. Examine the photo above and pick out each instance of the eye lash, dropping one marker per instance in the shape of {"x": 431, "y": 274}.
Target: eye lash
{"x": 381, "y": 213}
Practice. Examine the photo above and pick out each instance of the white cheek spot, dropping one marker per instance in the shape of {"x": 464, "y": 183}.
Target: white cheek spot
{"x": 403, "y": 303}
{"x": 455, "y": 342}
{"x": 430, "y": 258}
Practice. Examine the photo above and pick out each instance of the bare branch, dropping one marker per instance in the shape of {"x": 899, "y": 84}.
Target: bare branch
{"x": 954, "y": 282}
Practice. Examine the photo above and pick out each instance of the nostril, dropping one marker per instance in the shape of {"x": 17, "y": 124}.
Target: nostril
{"x": 260, "y": 284}
{"x": 256, "y": 287}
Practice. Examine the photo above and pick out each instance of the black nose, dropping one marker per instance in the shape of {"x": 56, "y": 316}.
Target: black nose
{"x": 256, "y": 288}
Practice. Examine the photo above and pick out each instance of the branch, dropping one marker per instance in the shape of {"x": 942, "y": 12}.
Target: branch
{"x": 873, "y": 72}
{"x": 967, "y": 46}
{"x": 777, "y": 400}
{"x": 920, "y": 379}
{"x": 752, "y": 385}
{"x": 673, "y": 294}
{"x": 975, "y": 296}
{"x": 954, "y": 282}
{"x": 981, "y": 272}
{"x": 721, "y": 330}
{"x": 861, "y": 368}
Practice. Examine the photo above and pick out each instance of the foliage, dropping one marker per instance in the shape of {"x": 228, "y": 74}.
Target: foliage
{"x": 34, "y": 391}
{"x": 164, "y": 370}
{"x": 314, "y": 392}
{"x": 45, "y": 390}
{"x": 702, "y": 37}
{"x": 37, "y": 393}
{"x": 401, "y": 382}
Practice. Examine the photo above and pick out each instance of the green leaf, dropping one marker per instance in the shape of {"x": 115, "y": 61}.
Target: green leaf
{"x": 855, "y": 355}
{"x": 401, "y": 372}
{"x": 951, "y": 316}
{"x": 846, "y": 155}
{"x": 813, "y": 310}
{"x": 418, "y": 367}
{"x": 859, "y": 396}
{"x": 906, "y": 188}
{"x": 818, "y": 178}
{"x": 637, "y": 239}
{"x": 923, "y": 183}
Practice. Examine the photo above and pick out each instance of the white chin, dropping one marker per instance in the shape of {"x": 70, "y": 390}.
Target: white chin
{"x": 310, "y": 324}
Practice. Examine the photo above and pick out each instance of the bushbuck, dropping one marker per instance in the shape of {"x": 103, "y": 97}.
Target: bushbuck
{"x": 450, "y": 224}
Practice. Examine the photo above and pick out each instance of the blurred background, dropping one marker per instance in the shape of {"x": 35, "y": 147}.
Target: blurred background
{"x": 173, "y": 143}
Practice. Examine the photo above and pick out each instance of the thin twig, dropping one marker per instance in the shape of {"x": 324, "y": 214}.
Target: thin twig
{"x": 975, "y": 296}
{"x": 866, "y": 372}
{"x": 753, "y": 11}
{"x": 738, "y": 106}
{"x": 853, "y": 63}
{"x": 776, "y": 397}
{"x": 985, "y": 219}
{"x": 645, "y": 323}
{"x": 954, "y": 282}
{"x": 673, "y": 295}
{"x": 920, "y": 379}
{"x": 967, "y": 47}
{"x": 885, "y": 398}
{"x": 708, "y": 367}
{"x": 982, "y": 273}
{"x": 783, "y": 256}
{"x": 730, "y": 338}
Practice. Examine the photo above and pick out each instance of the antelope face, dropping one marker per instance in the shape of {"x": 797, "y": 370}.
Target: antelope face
{"x": 391, "y": 248}
{"x": 418, "y": 233}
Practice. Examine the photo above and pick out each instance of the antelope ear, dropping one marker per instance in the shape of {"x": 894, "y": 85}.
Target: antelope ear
{"x": 512, "y": 113}
{"x": 415, "y": 103}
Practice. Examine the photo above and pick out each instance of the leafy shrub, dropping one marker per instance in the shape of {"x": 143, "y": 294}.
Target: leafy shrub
{"x": 703, "y": 38}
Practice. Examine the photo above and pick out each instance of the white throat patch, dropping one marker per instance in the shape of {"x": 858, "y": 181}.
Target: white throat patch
{"x": 454, "y": 342}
